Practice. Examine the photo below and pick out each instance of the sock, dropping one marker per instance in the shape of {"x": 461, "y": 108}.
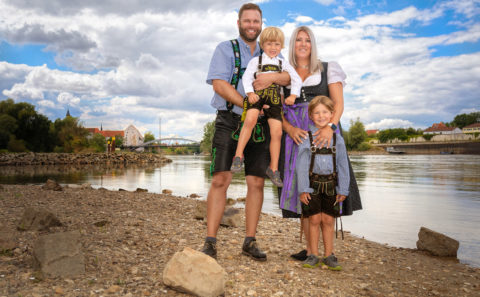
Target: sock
{"x": 248, "y": 240}
{"x": 211, "y": 239}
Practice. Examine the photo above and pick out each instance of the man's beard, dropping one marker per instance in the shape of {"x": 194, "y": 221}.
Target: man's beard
{"x": 243, "y": 34}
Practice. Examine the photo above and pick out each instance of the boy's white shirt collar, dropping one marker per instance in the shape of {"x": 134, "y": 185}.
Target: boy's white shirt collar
{"x": 265, "y": 58}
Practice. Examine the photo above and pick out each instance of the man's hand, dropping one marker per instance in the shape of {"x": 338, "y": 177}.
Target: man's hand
{"x": 253, "y": 98}
{"x": 297, "y": 134}
{"x": 341, "y": 198}
{"x": 263, "y": 81}
{"x": 323, "y": 137}
{"x": 290, "y": 100}
{"x": 305, "y": 198}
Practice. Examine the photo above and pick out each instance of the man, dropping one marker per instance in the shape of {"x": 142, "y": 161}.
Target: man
{"x": 228, "y": 100}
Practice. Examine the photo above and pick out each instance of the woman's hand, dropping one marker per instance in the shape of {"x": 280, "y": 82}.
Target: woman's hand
{"x": 341, "y": 198}
{"x": 323, "y": 137}
{"x": 297, "y": 134}
{"x": 305, "y": 198}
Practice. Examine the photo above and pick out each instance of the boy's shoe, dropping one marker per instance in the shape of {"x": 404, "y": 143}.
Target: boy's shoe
{"x": 251, "y": 249}
{"x": 312, "y": 261}
{"x": 236, "y": 164}
{"x": 332, "y": 263}
{"x": 210, "y": 249}
{"x": 275, "y": 177}
{"x": 300, "y": 256}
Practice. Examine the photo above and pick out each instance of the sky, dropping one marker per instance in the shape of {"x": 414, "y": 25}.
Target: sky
{"x": 120, "y": 62}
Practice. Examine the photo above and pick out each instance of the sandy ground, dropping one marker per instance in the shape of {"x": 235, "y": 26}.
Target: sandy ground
{"x": 126, "y": 257}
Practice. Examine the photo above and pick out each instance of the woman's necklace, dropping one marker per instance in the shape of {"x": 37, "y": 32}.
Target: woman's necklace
{"x": 303, "y": 66}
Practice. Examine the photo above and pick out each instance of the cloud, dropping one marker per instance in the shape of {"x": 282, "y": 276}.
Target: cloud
{"x": 388, "y": 124}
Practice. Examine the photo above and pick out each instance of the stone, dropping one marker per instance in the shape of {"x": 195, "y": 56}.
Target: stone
{"x": 113, "y": 289}
{"x": 167, "y": 191}
{"x": 101, "y": 223}
{"x": 8, "y": 241}
{"x": 59, "y": 254}
{"x": 194, "y": 195}
{"x": 436, "y": 243}
{"x": 200, "y": 212}
{"x": 231, "y": 201}
{"x": 52, "y": 185}
{"x": 194, "y": 272}
{"x": 232, "y": 217}
{"x": 37, "y": 219}
{"x": 140, "y": 190}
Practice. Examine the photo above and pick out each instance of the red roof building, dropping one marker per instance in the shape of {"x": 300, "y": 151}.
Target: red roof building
{"x": 441, "y": 128}
{"x": 106, "y": 133}
{"x": 372, "y": 132}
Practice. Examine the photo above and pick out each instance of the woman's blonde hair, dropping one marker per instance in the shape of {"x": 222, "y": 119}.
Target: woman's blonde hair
{"x": 324, "y": 100}
{"x": 272, "y": 34}
{"x": 315, "y": 63}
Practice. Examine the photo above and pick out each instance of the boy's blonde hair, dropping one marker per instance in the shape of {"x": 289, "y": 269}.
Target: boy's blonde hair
{"x": 324, "y": 100}
{"x": 272, "y": 34}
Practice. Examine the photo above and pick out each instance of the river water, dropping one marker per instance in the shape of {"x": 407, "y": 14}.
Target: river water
{"x": 400, "y": 193}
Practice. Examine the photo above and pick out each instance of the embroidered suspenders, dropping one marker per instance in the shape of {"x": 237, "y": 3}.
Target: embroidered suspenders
{"x": 238, "y": 71}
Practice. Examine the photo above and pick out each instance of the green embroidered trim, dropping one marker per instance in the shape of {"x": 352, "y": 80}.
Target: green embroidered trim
{"x": 212, "y": 164}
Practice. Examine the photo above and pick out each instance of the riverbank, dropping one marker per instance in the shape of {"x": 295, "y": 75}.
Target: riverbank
{"x": 127, "y": 255}
{"x": 21, "y": 159}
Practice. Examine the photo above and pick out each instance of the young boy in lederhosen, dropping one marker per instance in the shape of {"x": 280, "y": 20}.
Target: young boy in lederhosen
{"x": 323, "y": 181}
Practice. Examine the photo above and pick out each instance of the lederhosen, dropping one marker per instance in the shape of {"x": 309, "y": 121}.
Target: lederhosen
{"x": 324, "y": 196}
{"x": 269, "y": 96}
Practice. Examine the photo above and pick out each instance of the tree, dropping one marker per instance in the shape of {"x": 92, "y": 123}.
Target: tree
{"x": 71, "y": 137}
{"x": 356, "y": 134}
{"x": 8, "y": 126}
{"x": 208, "y": 131}
{"x": 148, "y": 136}
{"x": 98, "y": 143}
{"x": 464, "y": 119}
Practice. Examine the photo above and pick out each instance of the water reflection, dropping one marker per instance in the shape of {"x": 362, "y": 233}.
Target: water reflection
{"x": 399, "y": 193}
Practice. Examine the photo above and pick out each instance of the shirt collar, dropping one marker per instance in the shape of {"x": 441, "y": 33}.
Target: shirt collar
{"x": 242, "y": 43}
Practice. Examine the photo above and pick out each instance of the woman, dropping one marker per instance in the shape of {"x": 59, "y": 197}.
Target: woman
{"x": 318, "y": 78}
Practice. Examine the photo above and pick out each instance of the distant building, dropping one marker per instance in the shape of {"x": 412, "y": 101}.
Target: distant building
{"x": 132, "y": 136}
{"x": 106, "y": 133}
{"x": 441, "y": 128}
{"x": 473, "y": 128}
{"x": 372, "y": 132}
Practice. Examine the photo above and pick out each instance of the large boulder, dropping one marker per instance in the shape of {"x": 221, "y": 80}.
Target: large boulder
{"x": 8, "y": 241}
{"x": 37, "y": 219}
{"x": 60, "y": 254}
{"x": 194, "y": 272}
{"x": 437, "y": 243}
{"x": 232, "y": 217}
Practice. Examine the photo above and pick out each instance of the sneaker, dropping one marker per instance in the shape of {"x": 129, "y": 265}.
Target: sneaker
{"x": 236, "y": 164}
{"x": 312, "y": 261}
{"x": 300, "y": 256}
{"x": 210, "y": 249}
{"x": 275, "y": 177}
{"x": 251, "y": 249}
{"x": 331, "y": 262}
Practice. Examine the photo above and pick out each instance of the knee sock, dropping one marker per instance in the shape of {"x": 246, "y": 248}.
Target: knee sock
{"x": 211, "y": 239}
{"x": 248, "y": 240}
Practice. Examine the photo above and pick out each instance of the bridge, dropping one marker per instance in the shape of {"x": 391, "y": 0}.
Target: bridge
{"x": 166, "y": 142}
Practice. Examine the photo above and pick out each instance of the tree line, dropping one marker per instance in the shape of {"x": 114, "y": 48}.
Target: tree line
{"x": 23, "y": 129}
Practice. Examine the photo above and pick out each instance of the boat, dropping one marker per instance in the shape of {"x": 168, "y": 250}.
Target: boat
{"x": 392, "y": 150}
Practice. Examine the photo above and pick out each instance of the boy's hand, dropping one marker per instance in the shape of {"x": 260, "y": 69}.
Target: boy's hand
{"x": 305, "y": 198}
{"x": 253, "y": 98}
{"x": 341, "y": 198}
{"x": 290, "y": 100}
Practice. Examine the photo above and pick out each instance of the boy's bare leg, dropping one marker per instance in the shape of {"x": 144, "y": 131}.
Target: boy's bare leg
{"x": 275, "y": 142}
{"x": 327, "y": 225}
{"x": 250, "y": 121}
{"x": 314, "y": 230}
{"x": 306, "y": 231}
{"x": 216, "y": 200}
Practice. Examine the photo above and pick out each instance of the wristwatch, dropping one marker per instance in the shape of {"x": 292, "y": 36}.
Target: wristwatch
{"x": 333, "y": 126}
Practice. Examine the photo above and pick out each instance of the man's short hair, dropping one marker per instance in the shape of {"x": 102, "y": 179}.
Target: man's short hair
{"x": 249, "y": 6}
{"x": 271, "y": 34}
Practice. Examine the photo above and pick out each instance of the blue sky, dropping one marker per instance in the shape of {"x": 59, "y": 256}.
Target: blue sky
{"x": 115, "y": 63}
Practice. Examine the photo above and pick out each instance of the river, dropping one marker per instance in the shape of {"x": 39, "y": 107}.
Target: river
{"x": 400, "y": 193}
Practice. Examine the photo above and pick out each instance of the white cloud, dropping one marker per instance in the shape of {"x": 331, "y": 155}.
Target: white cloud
{"x": 388, "y": 124}
{"x": 325, "y": 2}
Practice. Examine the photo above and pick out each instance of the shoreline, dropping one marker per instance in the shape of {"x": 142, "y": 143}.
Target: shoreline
{"x": 144, "y": 230}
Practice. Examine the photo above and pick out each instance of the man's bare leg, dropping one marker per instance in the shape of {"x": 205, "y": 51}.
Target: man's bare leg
{"x": 216, "y": 199}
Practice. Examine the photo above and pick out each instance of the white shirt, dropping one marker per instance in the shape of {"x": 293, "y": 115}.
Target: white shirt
{"x": 252, "y": 67}
{"x": 334, "y": 74}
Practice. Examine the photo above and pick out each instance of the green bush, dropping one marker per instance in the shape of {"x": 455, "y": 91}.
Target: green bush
{"x": 428, "y": 137}
{"x": 364, "y": 146}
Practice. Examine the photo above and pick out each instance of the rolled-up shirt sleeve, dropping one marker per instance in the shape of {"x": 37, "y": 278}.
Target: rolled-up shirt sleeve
{"x": 335, "y": 74}
{"x": 221, "y": 65}
{"x": 302, "y": 167}
{"x": 295, "y": 80}
{"x": 342, "y": 167}
{"x": 249, "y": 75}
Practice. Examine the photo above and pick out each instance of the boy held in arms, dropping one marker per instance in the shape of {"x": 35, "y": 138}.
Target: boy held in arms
{"x": 323, "y": 181}
{"x": 271, "y": 41}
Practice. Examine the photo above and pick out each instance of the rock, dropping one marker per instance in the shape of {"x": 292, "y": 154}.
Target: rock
{"x": 37, "y": 219}
{"x": 52, "y": 185}
{"x": 437, "y": 243}
{"x": 200, "y": 210}
{"x": 113, "y": 289}
{"x": 167, "y": 191}
{"x": 242, "y": 199}
{"x": 232, "y": 217}
{"x": 7, "y": 241}
{"x": 59, "y": 291}
{"x": 122, "y": 190}
{"x": 194, "y": 195}
{"x": 231, "y": 201}
{"x": 140, "y": 190}
{"x": 101, "y": 223}
{"x": 86, "y": 186}
{"x": 195, "y": 273}
{"x": 59, "y": 254}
